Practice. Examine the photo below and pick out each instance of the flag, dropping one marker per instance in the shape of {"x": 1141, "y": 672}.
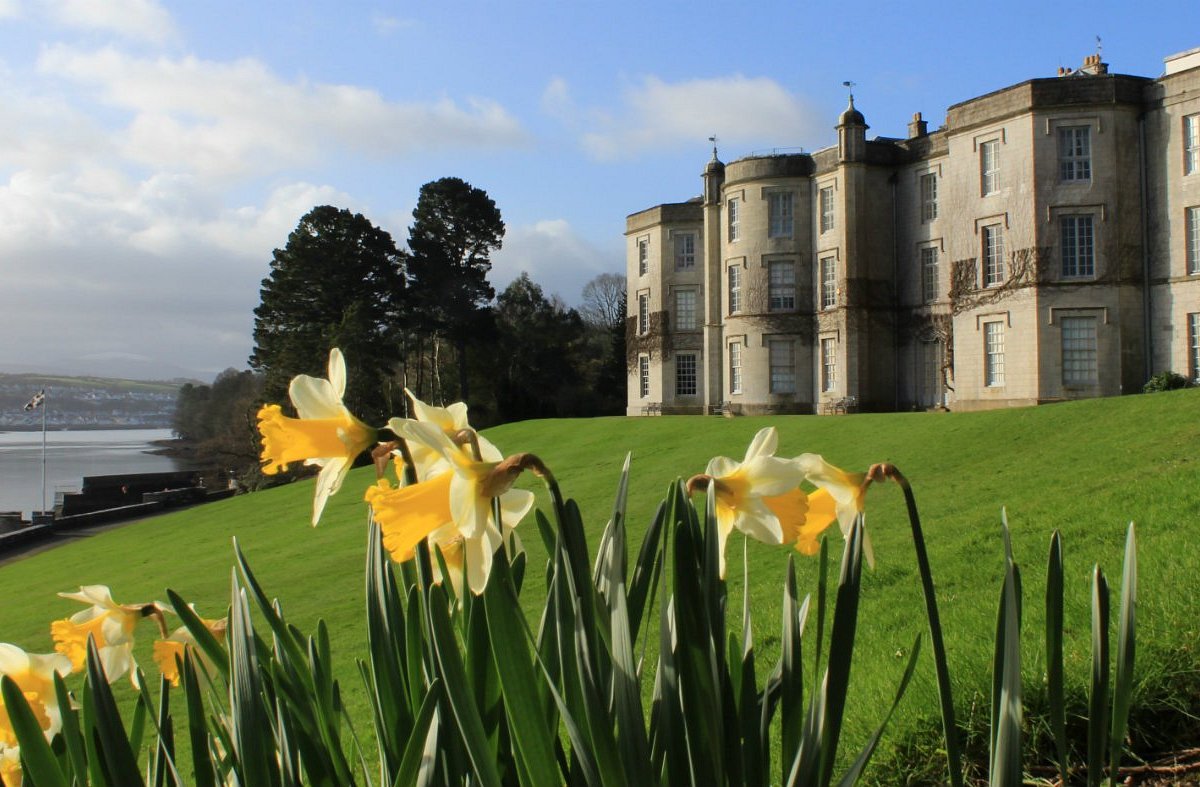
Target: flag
{"x": 36, "y": 401}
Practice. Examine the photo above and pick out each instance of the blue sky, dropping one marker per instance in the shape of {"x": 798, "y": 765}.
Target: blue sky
{"x": 152, "y": 154}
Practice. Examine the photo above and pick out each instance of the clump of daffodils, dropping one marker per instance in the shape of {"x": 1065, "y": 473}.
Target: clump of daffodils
{"x": 449, "y": 476}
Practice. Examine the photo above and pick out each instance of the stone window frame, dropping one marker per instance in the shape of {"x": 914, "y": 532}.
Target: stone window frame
{"x": 928, "y": 196}
{"x": 828, "y": 363}
{"x": 781, "y": 213}
{"x": 929, "y": 261}
{"x": 644, "y": 376}
{"x": 643, "y": 313}
{"x": 733, "y": 289}
{"x": 993, "y": 353}
{"x": 992, "y": 269}
{"x": 733, "y": 217}
{"x": 643, "y": 244}
{"x": 684, "y": 260}
{"x": 827, "y": 282}
{"x": 826, "y": 212}
{"x": 1191, "y": 240}
{"x": 989, "y": 166}
{"x": 1193, "y": 345}
{"x": 1191, "y": 144}
{"x": 1080, "y": 264}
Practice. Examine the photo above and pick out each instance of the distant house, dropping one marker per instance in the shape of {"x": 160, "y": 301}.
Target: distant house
{"x": 1044, "y": 244}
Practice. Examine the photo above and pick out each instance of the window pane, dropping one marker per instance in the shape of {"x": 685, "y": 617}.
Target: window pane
{"x": 929, "y": 273}
{"x": 989, "y": 167}
{"x": 643, "y": 313}
{"x": 1078, "y": 249}
{"x": 929, "y": 208}
{"x": 828, "y": 364}
{"x": 993, "y": 345}
{"x": 735, "y": 289}
{"x": 828, "y": 282}
{"x": 1191, "y": 144}
{"x": 993, "y": 256}
{"x": 1079, "y": 350}
{"x": 1194, "y": 345}
{"x": 826, "y": 195}
{"x": 781, "y": 288}
{"x": 644, "y": 375}
{"x": 783, "y": 366}
{"x": 780, "y": 207}
{"x": 1192, "y": 233}
{"x": 735, "y": 367}
{"x": 685, "y": 251}
{"x": 734, "y": 219}
{"x": 685, "y": 374}
{"x": 1075, "y": 153}
{"x": 643, "y": 257}
{"x": 685, "y": 310}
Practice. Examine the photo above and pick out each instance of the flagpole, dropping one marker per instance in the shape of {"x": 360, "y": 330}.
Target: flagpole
{"x": 45, "y": 406}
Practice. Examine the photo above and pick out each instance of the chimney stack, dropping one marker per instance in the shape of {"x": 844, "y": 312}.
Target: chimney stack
{"x": 918, "y": 127}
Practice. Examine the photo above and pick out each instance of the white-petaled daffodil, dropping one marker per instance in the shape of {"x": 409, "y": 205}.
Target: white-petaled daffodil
{"x": 34, "y": 675}
{"x": 110, "y": 624}
{"x": 456, "y": 502}
{"x": 846, "y": 491}
{"x": 752, "y": 494}
{"x": 325, "y": 434}
{"x": 10, "y": 766}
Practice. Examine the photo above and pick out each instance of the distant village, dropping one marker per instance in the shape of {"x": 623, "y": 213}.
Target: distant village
{"x": 86, "y": 403}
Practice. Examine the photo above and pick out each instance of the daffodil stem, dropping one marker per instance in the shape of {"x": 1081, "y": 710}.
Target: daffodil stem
{"x": 953, "y": 753}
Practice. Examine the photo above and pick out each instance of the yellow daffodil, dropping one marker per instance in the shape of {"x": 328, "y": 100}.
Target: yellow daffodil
{"x": 109, "y": 623}
{"x": 34, "y": 675}
{"x": 10, "y": 766}
{"x": 325, "y": 434}
{"x": 752, "y": 494}
{"x": 846, "y": 494}
{"x": 456, "y": 501}
{"x": 168, "y": 653}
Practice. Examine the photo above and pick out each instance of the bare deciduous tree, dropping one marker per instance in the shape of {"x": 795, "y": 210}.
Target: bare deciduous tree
{"x": 604, "y": 300}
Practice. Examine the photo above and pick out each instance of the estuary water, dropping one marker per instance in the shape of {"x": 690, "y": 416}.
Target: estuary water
{"x": 69, "y": 457}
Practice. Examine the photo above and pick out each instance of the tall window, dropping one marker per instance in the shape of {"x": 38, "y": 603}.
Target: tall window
{"x": 685, "y": 251}
{"x": 685, "y": 310}
{"x": 929, "y": 197}
{"x": 735, "y": 289}
{"x": 989, "y": 167}
{"x": 643, "y": 256}
{"x": 782, "y": 357}
{"x": 1079, "y": 350}
{"x": 781, "y": 286}
{"x": 780, "y": 209}
{"x": 1192, "y": 239}
{"x": 993, "y": 256}
{"x": 1078, "y": 249}
{"x": 685, "y": 374}
{"x": 732, "y": 210}
{"x": 1074, "y": 154}
{"x": 643, "y": 313}
{"x": 828, "y": 364}
{"x": 644, "y": 376}
{"x": 826, "y": 200}
{"x": 735, "y": 367}
{"x": 828, "y": 282}
{"x": 1191, "y": 144}
{"x": 929, "y": 273}
{"x": 1194, "y": 345}
{"x": 993, "y": 352}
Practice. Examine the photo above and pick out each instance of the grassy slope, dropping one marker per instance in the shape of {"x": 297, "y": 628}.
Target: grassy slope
{"x": 1086, "y": 468}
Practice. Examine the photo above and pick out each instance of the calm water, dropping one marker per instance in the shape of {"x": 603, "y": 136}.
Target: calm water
{"x": 69, "y": 457}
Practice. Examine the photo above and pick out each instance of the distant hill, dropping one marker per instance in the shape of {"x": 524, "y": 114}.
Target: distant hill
{"x": 118, "y": 365}
{"x": 87, "y": 402}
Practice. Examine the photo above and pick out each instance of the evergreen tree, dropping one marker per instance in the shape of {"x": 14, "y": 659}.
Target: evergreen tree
{"x": 339, "y": 282}
{"x": 455, "y": 228}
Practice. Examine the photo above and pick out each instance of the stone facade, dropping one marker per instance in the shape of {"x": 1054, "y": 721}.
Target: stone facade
{"x": 1043, "y": 245}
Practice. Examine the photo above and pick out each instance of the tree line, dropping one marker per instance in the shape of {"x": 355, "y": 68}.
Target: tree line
{"x": 425, "y": 318}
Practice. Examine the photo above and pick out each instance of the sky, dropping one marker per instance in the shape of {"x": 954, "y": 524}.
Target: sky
{"x": 153, "y": 154}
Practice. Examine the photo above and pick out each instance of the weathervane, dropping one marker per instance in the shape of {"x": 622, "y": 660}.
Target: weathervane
{"x": 850, "y": 85}
{"x": 713, "y": 140}
{"x": 1099, "y": 47}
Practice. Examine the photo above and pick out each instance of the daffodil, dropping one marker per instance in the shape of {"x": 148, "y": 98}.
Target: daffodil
{"x": 168, "y": 653}
{"x": 110, "y": 624}
{"x": 325, "y": 434}
{"x": 34, "y": 675}
{"x": 429, "y": 460}
{"x": 10, "y": 766}
{"x": 751, "y": 495}
{"x": 846, "y": 494}
{"x": 454, "y": 503}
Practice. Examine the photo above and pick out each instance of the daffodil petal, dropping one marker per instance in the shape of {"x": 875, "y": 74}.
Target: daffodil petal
{"x": 791, "y": 509}
{"x": 769, "y": 476}
{"x": 315, "y": 399}
{"x": 337, "y": 373}
{"x": 763, "y": 444}
{"x": 479, "y": 555}
{"x": 720, "y": 466}
{"x": 514, "y": 505}
{"x": 409, "y": 514}
{"x": 329, "y": 481}
{"x": 755, "y": 519}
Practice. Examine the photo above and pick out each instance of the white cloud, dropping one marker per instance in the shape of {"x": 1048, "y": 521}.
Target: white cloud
{"x": 555, "y": 257}
{"x": 138, "y": 20}
{"x": 386, "y": 25}
{"x": 238, "y": 119}
{"x": 740, "y": 110}
{"x": 9, "y": 9}
{"x": 557, "y": 101}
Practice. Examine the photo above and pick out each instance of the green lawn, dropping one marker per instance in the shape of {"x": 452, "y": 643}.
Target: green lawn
{"x": 1085, "y": 468}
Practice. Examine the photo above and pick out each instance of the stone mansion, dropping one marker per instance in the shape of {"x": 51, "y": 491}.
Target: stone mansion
{"x": 1044, "y": 244}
